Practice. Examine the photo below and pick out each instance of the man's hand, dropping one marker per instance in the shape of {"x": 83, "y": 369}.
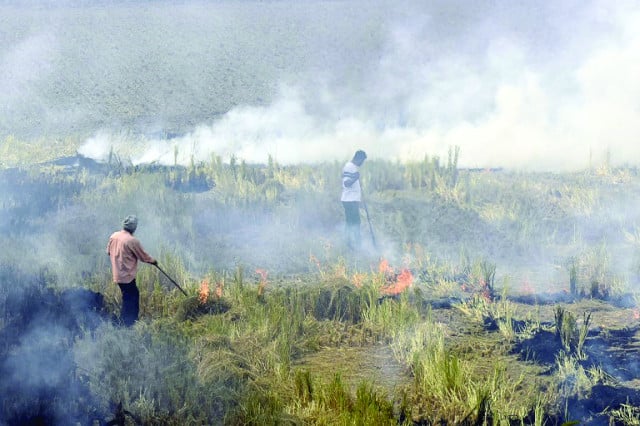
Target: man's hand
{"x": 154, "y": 263}
{"x": 351, "y": 178}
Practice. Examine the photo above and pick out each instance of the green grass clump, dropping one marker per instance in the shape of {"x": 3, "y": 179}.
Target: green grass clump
{"x": 333, "y": 402}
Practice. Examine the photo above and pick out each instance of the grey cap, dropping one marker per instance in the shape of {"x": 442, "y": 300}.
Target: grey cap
{"x": 130, "y": 223}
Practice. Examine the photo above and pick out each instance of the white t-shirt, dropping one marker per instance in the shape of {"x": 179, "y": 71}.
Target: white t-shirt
{"x": 353, "y": 192}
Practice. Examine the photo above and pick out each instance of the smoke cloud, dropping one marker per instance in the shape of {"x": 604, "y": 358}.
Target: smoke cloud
{"x": 516, "y": 85}
{"x": 520, "y": 85}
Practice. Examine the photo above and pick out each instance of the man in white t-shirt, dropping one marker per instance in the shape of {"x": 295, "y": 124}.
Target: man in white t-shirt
{"x": 351, "y": 198}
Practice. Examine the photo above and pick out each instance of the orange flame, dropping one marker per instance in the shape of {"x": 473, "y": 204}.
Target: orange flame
{"x": 204, "y": 291}
{"x": 636, "y": 314}
{"x": 263, "y": 280}
{"x": 219, "y": 288}
{"x": 403, "y": 281}
{"x": 384, "y": 267}
{"x": 358, "y": 279}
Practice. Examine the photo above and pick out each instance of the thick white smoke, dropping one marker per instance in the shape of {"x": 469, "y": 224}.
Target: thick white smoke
{"x": 516, "y": 101}
{"x": 519, "y": 85}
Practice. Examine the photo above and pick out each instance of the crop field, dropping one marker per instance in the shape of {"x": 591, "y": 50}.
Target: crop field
{"x": 489, "y": 297}
{"x": 157, "y": 66}
{"x": 497, "y": 280}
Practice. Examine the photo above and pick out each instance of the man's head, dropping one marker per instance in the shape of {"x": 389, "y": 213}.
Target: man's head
{"x": 130, "y": 223}
{"x": 359, "y": 157}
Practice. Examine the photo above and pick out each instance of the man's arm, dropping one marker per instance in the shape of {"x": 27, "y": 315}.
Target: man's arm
{"x": 141, "y": 254}
{"x": 350, "y": 178}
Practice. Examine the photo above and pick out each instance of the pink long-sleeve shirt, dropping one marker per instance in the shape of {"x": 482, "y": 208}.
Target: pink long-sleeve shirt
{"x": 125, "y": 251}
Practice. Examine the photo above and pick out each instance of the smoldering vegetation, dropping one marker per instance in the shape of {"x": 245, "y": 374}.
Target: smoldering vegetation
{"x": 504, "y": 295}
{"x": 461, "y": 256}
{"x": 39, "y": 326}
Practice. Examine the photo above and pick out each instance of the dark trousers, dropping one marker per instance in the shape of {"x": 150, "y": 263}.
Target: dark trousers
{"x": 352, "y": 225}
{"x": 130, "y": 303}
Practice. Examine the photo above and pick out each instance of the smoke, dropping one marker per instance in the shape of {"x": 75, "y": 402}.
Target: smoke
{"x": 522, "y": 86}
{"x": 517, "y": 85}
{"x": 529, "y": 87}
{"x": 40, "y": 326}
{"x": 533, "y": 86}
{"x": 284, "y": 130}
{"x": 24, "y": 64}
{"x": 23, "y": 67}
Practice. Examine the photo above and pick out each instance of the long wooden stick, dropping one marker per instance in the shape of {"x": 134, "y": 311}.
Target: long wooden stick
{"x": 170, "y": 279}
{"x": 373, "y": 237}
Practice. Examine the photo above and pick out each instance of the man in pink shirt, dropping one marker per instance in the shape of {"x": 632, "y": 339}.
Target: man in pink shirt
{"x": 125, "y": 251}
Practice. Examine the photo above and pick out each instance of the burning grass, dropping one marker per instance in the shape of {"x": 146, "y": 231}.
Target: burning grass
{"x": 322, "y": 351}
{"x": 206, "y": 302}
{"x": 192, "y": 307}
{"x": 257, "y": 345}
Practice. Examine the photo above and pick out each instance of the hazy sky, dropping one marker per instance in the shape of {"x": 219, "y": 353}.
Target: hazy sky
{"x": 530, "y": 84}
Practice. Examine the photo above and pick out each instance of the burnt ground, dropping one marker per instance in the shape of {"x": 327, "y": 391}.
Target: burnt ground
{"x": 611, "y": 346}
{"x": 613, "y": 351}
{"x": 39, "y": 381}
